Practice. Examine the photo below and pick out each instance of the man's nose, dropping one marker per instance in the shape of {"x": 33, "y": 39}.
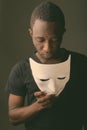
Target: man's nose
{"x": 47, "y": 46}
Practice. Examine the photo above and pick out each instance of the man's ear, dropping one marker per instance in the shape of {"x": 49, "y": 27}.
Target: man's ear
{"x": 30, "y": 32}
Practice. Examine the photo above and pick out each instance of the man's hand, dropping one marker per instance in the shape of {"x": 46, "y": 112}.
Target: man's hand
{"x": 44, "y": 100}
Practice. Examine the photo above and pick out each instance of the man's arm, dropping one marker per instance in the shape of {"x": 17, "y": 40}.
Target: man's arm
{"x": 18, "y": 113}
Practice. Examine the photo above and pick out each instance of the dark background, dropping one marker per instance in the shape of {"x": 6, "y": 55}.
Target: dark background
{"x": 15, "y": 42}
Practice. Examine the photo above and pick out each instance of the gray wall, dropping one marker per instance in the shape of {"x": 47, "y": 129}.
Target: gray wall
{"x": 15, "y": 43}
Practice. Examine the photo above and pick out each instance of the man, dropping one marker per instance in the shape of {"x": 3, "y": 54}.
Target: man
{"x": 56, "y": 105}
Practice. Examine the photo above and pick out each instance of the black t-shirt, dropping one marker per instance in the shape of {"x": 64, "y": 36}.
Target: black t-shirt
{"x": 69, "y": 112}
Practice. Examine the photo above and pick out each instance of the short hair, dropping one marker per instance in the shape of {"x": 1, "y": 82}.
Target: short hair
{"x": 48, "y": 11}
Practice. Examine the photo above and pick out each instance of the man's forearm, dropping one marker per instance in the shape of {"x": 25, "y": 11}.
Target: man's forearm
{"x": 20, "y": 114}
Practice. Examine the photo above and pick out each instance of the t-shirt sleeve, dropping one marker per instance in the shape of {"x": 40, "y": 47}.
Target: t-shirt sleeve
{"x": 15, "y": 83}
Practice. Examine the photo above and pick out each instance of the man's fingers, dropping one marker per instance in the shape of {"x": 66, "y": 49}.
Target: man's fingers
{"x": 39, "y": 94}
{"x": 48, "y": 98}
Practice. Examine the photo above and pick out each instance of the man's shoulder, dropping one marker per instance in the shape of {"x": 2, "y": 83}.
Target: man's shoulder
{"x": 21, "y": 65}
{"x": 77, "y": 56}
{"x": 23, "y": 61}
{"x": 21, "y": 69}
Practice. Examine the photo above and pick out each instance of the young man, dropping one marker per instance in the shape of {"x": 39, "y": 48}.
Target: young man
{"x": 53, "y": 79}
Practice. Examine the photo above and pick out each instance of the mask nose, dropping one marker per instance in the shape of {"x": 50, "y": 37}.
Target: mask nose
{"x": 52, "y": 85}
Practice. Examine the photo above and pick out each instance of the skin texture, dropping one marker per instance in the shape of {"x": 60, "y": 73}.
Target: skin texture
{"x": 47, "y": 40}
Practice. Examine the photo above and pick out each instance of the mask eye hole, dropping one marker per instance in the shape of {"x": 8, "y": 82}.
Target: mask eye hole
{"x": 61, "y": 78}
{"x": 44, "y": 79}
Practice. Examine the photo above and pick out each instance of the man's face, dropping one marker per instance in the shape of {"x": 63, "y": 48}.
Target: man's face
{"x": 46, "y": 38}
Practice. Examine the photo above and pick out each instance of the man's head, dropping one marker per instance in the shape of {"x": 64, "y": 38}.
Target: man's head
{"x": 47, "y": 26}
{"x": 50, "y": 12}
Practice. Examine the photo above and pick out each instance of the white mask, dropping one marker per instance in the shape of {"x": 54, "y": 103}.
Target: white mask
{"x": 51, "y": 78}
